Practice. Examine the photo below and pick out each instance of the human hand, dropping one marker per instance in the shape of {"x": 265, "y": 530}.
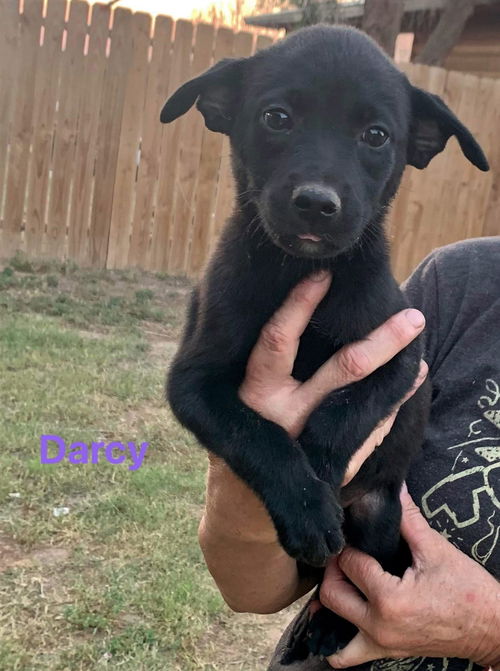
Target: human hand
{"x": 445, "y": 605}
{"x": 270, "y": 389}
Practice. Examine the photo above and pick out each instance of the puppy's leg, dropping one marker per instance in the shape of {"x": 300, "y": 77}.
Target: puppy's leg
{"x": 341, "y": 424}
{"x": 372, "y": 519}
{"x": 345, "y": 419}
{"x": 371, "y": 525}
{"x": 305, "y": 511}
{"x": 328, "y": 632}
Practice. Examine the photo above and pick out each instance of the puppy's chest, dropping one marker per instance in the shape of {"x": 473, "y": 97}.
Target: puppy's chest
{"x": 333, "y": 325}
{"x": 317, "y": 345}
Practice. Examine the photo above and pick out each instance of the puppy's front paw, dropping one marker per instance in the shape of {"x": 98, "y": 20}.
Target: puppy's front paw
{"x": 311, "y": 529}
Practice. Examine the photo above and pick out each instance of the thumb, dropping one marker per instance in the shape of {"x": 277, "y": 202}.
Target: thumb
{"x": 415, "y": 529}
{"x": 360, "y": 650}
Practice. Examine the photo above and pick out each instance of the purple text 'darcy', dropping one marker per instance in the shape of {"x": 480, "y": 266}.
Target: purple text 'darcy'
{"x": 54, "y": 449}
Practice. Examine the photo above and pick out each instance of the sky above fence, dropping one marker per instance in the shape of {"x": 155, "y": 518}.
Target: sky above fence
{"x": 175, "y": 8}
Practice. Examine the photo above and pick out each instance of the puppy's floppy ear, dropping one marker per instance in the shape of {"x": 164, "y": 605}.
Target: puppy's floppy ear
{"x": 433, "y": 123}
{"x": 216, "y": 90}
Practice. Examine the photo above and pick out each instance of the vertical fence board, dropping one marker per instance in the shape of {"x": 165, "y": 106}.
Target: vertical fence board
{"x": 92, "y": 79}
{"x": 189, "y": 160}
{"x": 108, "y": 135}
{"x": 169, "y": 151}
{"x": 471, "y": 187}
{"x": 72, "y": 67}
{"x": 453, "y": 167}
{"x": 21, "y": 127}
{"x": 44, "y": 119}
{"x": 491, "y": 223}
{"x": 130, "y": 138}
{"x": 149, "y": 165}
{"x": 210, "y": 159}
{"x": 408, "y": 232}
{"x": 425, "y": 188}
{"x": 9, "y": 58}
{"x": 243, "y": 47}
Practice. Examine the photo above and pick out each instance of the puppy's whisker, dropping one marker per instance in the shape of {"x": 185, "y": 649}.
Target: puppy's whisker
{"x": 248, "y": 191}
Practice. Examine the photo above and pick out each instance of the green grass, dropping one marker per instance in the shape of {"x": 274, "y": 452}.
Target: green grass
{"x": 119, "y": 582}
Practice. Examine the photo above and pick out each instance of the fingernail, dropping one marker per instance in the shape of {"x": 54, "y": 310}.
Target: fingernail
{"x": 416, "y": 318}
{"x": 319, "y": 276}
{"x": 404, "y": 488}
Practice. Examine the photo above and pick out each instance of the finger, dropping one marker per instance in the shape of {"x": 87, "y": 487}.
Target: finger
{"x": 360, "y": 650}
{"x": 421, "y": 377}
{"x": 358, "y": 360}
{"x": 374, "y": 440}
{"x": 365, "y": 572}
{"x": 276, "y": 349}
{"x": 421, "y": 538}
{"x": 339, "y": 595}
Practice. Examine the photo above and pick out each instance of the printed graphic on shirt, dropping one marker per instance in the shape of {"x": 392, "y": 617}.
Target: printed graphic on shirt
{"x": 474, "y": 483}
{"x": 417, "y": 664}
{"x": 465, "y": 506}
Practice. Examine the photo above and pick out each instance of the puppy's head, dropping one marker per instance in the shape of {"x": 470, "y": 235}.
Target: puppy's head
{"x": 322, "y": 125}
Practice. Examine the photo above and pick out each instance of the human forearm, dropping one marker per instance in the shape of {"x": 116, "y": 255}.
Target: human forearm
{"x": 239, "y": 542}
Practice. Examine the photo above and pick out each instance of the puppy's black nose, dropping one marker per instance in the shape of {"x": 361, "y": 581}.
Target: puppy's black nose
{"x": 313, "y": 202}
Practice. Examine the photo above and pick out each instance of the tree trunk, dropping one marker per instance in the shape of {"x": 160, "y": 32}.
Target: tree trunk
{"x": 382, "y": 21}
{"x": 447, "y": 32}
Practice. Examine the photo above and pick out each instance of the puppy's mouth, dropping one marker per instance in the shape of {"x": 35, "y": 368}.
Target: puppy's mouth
{"x": 308, "y": 245}
{"x": 309, "y": 236}
{"x": 302, "y": 243}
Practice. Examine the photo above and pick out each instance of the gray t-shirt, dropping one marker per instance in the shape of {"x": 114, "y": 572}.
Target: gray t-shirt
{"x": 456, "y": 478}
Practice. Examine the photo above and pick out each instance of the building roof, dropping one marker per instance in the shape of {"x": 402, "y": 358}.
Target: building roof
{"x": 347, "y": 12}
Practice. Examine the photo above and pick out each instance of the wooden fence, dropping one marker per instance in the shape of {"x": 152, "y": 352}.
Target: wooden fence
{"x": 87, "y": 172}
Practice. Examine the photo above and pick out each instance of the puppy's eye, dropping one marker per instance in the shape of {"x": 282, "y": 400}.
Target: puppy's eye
{"x": 277, "y": 119}
{"x": 375, "y": 136}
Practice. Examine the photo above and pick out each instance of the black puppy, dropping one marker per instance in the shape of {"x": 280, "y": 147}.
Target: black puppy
{"x": 321, "y": 125}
